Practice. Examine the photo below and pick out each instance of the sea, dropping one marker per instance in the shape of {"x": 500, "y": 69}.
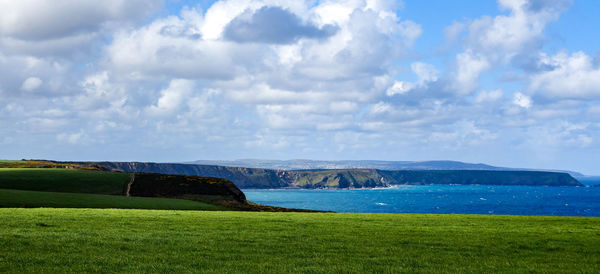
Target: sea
{"x": 440, "y": 199}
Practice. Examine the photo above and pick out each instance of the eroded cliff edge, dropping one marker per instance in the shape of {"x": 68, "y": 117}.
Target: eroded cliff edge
{"x": 348, "y": 178}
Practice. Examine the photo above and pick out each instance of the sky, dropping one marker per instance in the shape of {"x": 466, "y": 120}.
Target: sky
{"x": 511, "y": 83}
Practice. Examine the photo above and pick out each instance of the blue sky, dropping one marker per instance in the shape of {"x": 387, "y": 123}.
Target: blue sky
{"x": 510, "y": 82}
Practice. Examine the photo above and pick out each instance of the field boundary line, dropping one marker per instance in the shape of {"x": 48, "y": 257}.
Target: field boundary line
{"x": 132, "y": 178}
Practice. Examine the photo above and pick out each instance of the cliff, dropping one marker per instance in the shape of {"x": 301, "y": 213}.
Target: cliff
{"x": 348, "y": 178}
{"x": 481, "y": 177}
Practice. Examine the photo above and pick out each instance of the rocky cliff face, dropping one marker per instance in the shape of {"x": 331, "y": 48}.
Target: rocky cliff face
{"x": 481, "y": 177}
{"x": 348, "y": 178}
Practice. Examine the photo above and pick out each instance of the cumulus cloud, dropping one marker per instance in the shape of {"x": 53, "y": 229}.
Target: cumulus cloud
{"x": 489, "y": 96}
{"x": 181, "y": 72}
{"x": 469, "y": 66}
{"x": 498, "y": 40}
{"x": 568, "y": 76}
{"x": 425, "y": 72}
{"x": 173, "y": 98}
{"x": 504, "y": 36}
{"x": 31, "y": 83}
{"x": 275, "y": 25}
{"x": 522, "y": 100}
{"x": 173, "y": 47}
{"x": 399, "y": 87}
{"x": 319, "y": 80}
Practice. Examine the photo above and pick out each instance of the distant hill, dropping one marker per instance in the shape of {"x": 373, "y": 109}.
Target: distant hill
{"x": 301, "y": 164}
{"x": 348, "y": 178}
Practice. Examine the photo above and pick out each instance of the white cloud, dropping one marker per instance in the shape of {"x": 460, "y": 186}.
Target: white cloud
{"x": 522, "y": 100}
{"x": 489, "y": 96}
{"x": 469, "y": 66}
{"x": 173, "y": 98}
{"x": 561, "y": 134}
{"x": 73, "y": 138}
{"x": 496, "y": 41}
{"x": 504, "y": 36}
{"x": 100, "y": 93}
{"x": 380, "y": 107}
{"x": 461, "y": 133}
{"x": 360, "y": 48}
{"x": 173, "y": 47}
{"x": 31, "y": 83}
{"x": 425, "y": 72}
{"x": 399, "y": 87}
{"x": 570, "y": 76}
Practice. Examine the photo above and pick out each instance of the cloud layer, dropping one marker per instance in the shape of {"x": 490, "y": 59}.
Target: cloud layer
{"x": 120, "y": 80}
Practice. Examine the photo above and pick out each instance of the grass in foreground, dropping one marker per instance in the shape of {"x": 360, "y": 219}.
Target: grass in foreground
{"x": 76, "y": 240}
{"x": 21, "y": 198}
{"x": 63, "y": 180}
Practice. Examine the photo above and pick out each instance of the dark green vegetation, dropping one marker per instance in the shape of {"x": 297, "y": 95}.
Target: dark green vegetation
{"x": 52, "y": 184}
{"x": 119, "y": 183}
{"x": 21, "y": 198}
{"x": 63, "y": 180}
{"x": 268, "y": 178}
{"x": 57, "y": 185}
{"x": 185, "y": 187}
{"x": 76, "y": 240}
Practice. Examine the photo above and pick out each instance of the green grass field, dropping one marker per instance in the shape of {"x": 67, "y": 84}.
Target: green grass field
{"x": 21, "y": 198}
{"x": 63, "y": 180}
{"x": 93, "y": 240}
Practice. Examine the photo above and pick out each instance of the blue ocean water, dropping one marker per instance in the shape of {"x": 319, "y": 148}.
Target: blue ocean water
{"x": 445, "y": 199}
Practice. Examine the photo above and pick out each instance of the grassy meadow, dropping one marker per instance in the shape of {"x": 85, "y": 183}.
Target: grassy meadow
{"x": 109, "y": 240}
{"x": 63, "y": 180}
{"x": 78, "y": 230}
{"x": 82, "y": 188}
{"x": 29, "y": 199}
